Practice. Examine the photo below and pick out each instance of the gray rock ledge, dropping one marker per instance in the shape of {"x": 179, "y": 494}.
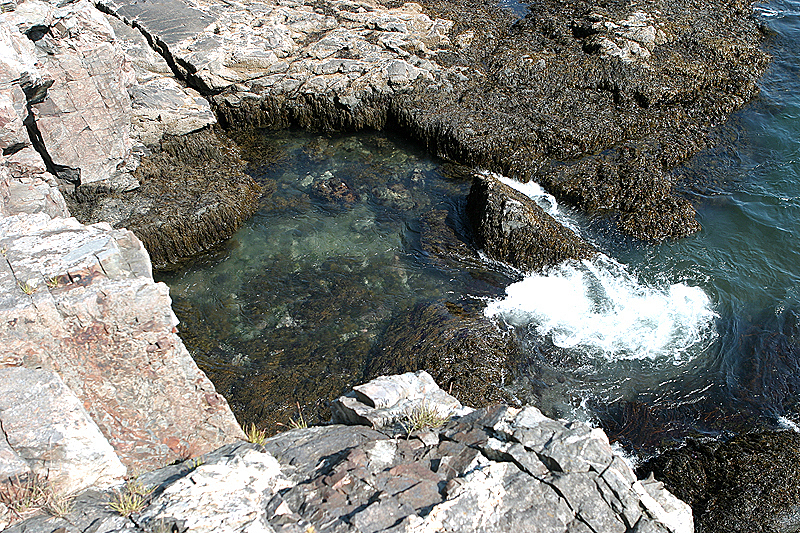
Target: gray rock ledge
{"x": 492, "y": 470}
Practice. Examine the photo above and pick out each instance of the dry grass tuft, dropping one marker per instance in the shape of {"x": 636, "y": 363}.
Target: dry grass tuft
{"x": 131, "y": 498}
{"x": 423, "y": 416}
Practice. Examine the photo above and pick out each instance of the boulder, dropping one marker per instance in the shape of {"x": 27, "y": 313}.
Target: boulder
{"x": 512, "y": 228}
{"x": 747, "y": 483}
{"x": 387, "y": 400}
{"x": 463, "y": 350}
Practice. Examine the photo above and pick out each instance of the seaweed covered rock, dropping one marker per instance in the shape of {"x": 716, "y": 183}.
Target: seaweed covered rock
{"x": 595, "y": 101}
{"x": 465, "y": 352}
{"x": 193, "y": 195}
{"x": 750, "y": 483}
{"x": 510, "y": 227}
{"x": 444, "y": 246}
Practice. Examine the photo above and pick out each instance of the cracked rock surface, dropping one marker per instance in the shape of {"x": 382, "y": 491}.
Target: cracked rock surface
{"x": 495, "y": 469}
{"x": 79, "y": 305}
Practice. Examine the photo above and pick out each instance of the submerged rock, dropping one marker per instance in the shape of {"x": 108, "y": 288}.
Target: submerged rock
{"x": 511, "y": 228}
{"x": 464, "y": 351}
{"x": 194, "y": 194}
{"x": 445, "y": 247}
{"x": 750, "y": 483}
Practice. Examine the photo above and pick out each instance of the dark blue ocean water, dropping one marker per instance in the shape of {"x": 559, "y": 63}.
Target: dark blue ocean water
{"x": 654, "y": 343}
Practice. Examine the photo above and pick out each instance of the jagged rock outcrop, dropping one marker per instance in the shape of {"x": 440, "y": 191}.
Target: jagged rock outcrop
{"x": 82, "y": 122}
{"x": 745, "y": 484}
{"x": 512, "y": 228}
{"x": 331, "y": 66}
{"x": 496, "y": 469}
{"x": 78, "y": 303}
{"x": 160, "y": 105}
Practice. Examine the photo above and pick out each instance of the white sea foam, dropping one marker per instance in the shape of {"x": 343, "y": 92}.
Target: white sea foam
{"x": 597, "y": 305}
{"x": 788, "y": 424}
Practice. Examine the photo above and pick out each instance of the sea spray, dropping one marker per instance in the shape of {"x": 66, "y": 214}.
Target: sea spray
{"x": 598, "y": 306}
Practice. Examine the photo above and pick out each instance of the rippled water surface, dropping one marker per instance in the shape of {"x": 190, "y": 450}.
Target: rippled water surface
{"x": 652, "y": 342}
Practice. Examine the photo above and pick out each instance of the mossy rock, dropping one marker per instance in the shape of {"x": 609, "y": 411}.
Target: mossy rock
{"x": 194, "y": 194}
{"x": 467, "y": 354}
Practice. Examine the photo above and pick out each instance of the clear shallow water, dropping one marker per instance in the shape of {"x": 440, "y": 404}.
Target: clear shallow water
{"x": 289, "y": 309}
{"x": 652, "y": 342}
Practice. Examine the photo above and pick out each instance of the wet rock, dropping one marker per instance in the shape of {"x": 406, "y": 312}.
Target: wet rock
{"x": 194, "y": 194}
{"x": 511, "y": 228}
{"x": 464, "y": 352}
{"x": 748, "y": 483}
{"x": 443, "y": 244}
{"x": 80, "y": 301}
{"x": 396, "y": 196}
{"x": 45, "y": 428}
{"x": 334, "y": 191}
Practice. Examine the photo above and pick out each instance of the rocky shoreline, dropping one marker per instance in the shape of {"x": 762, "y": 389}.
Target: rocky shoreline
{"x": 111, "y": 109}
{"x": 497, "y": 469}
